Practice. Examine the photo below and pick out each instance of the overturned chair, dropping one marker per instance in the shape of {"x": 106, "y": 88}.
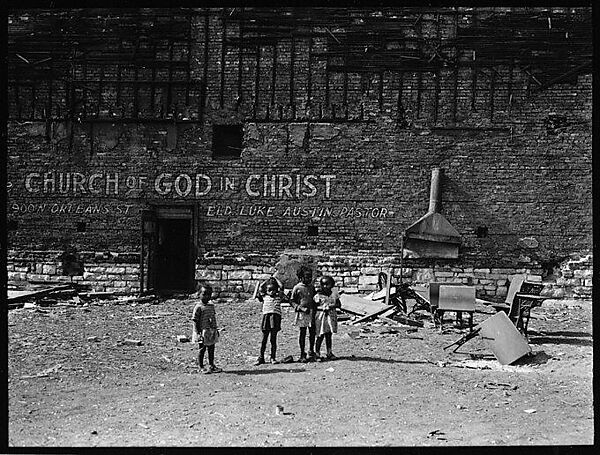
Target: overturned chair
{"x": 522, "y": 297}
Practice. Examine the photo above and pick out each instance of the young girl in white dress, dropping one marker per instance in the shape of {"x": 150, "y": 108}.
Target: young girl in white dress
{"x": 326, "y": 301}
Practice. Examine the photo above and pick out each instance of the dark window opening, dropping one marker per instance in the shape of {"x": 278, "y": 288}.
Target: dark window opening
{"x": 313, "y": 231}
{"x": 481, "y": 232}
{"x": 81, "y": 226}
{"x": 227, "y": 141}
{"x": 12, "y": 225}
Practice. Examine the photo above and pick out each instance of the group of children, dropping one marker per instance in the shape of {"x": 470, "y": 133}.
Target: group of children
{"x": 314, "y": 309}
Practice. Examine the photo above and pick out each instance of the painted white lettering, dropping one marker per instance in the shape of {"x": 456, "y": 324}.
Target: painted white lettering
{"x": 49, "y": 182}
{"x": 161, "y": 188}
{"x": 91, "y": 181}
{"x": 285, "y": 187}
{"x": 249, "y": 189}
{"x": 114, "y": 180}
{"x": 269, "y": 186}
{"x": 206, "y": 190}
{"x": 64, "y": 182}
{"x": 327, "y": 179}
{"x": 229, "y": 184}
{"x": 309, "y": 184}
{"x": 78, "y": 181}
{"x": 183, "y": 192}
{"x": 28, "y": 182}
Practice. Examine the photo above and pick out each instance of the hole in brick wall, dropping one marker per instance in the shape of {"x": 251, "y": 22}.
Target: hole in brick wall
{"x": 227, "y": 142}
{"x": 12, "y": 225}
{"x": 81, "y": 226}
{"x": 72, "y": 265}
{"x": 554, "y": 123}
{"x": 313, "y": 231}
{"x": 481, "y": 232}
{"x": 551, "y": 267}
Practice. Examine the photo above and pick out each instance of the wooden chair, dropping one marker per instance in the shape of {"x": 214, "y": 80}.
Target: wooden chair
{"x": 521, "y": 298}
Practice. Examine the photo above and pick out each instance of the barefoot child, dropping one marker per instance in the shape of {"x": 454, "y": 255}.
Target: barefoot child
{"x": 271, "y": 321}
{"x": 204, "y": 331}
{"x": 326, "y": 301}
{"x": 302, "y": 301}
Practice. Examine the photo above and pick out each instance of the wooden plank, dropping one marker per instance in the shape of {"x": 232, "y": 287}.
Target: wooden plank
{"x": 372, "y": 315}
{"x": 389, "y": 312}
{"x": 388, "y": 283}
{"x": 359, "y": 305}
{"x": 380, "y": 295}
{"x": 402, "y": 320}
{"x": 20, "y": 296}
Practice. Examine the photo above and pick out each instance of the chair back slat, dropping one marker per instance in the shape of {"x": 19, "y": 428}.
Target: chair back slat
{"x": 515, "y": 286}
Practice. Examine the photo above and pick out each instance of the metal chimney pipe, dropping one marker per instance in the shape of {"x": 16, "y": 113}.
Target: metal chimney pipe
{"x": 435, "y": 193}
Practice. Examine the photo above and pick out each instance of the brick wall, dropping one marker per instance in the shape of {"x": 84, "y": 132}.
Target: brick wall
{"x": 515, "y": 161}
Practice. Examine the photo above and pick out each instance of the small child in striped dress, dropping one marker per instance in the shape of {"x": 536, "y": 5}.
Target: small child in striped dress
{"x": 204, "y": 329}
{"x": 270, "y": 296}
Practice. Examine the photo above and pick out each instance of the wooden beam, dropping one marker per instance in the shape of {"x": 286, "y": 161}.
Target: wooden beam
{"x": 21, "y": 296}
{"x": 223, "y": 44}
{"x": 256, "y": 82}
{"x": 292, "y": 52}
{"x": 372, "y": 315}
{"x": 274, "y": 74}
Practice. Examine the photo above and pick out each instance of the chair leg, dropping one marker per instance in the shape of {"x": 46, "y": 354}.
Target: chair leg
{"x": 525, "y": 321}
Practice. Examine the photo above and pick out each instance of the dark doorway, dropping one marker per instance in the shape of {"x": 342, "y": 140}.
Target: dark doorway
{"x": 174, "y": 271}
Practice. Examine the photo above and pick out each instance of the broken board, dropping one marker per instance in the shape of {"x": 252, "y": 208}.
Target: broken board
{"x": 374, "y": 314}
{"x": 503, "y": 339}
{"x": 359, "y": 305}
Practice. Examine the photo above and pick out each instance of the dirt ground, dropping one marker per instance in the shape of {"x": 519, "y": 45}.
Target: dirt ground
{"x": 386, "y": 389}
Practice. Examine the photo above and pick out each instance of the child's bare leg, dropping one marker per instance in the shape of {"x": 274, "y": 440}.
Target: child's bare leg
{"x": 263, "y": 344}
{"x": 302, "y": 341}
{"x": 328, "y": 344}
{"x": 211, "y": 355}
{"x": 312, "y": 334}
{"x": 318, "y": 344}
{"x": 201, "y": 356}
{"x": 273, "y": 344}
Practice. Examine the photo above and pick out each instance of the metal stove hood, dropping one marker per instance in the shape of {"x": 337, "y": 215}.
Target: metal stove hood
{"x": 432, "y": 235}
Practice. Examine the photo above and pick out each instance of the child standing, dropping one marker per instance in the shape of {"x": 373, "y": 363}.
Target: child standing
{"x": 326, "y": 301}
{"x": 271, "y": 321}
{"x": 204, "y": 331}
{"x": 302, "y": 300}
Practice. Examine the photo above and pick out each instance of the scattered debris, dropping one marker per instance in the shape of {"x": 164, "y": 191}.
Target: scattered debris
{"x": 144, "y": 426}
{"x": 45, "y": 373}
{"x": 530, "y": 411}
{"x": 28, "y": 295}
{"x": 130, "y": 342}
{"x": 499, "y": 385}
{"x": 437, "y": 433}
{"x": 288, "y": 359}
